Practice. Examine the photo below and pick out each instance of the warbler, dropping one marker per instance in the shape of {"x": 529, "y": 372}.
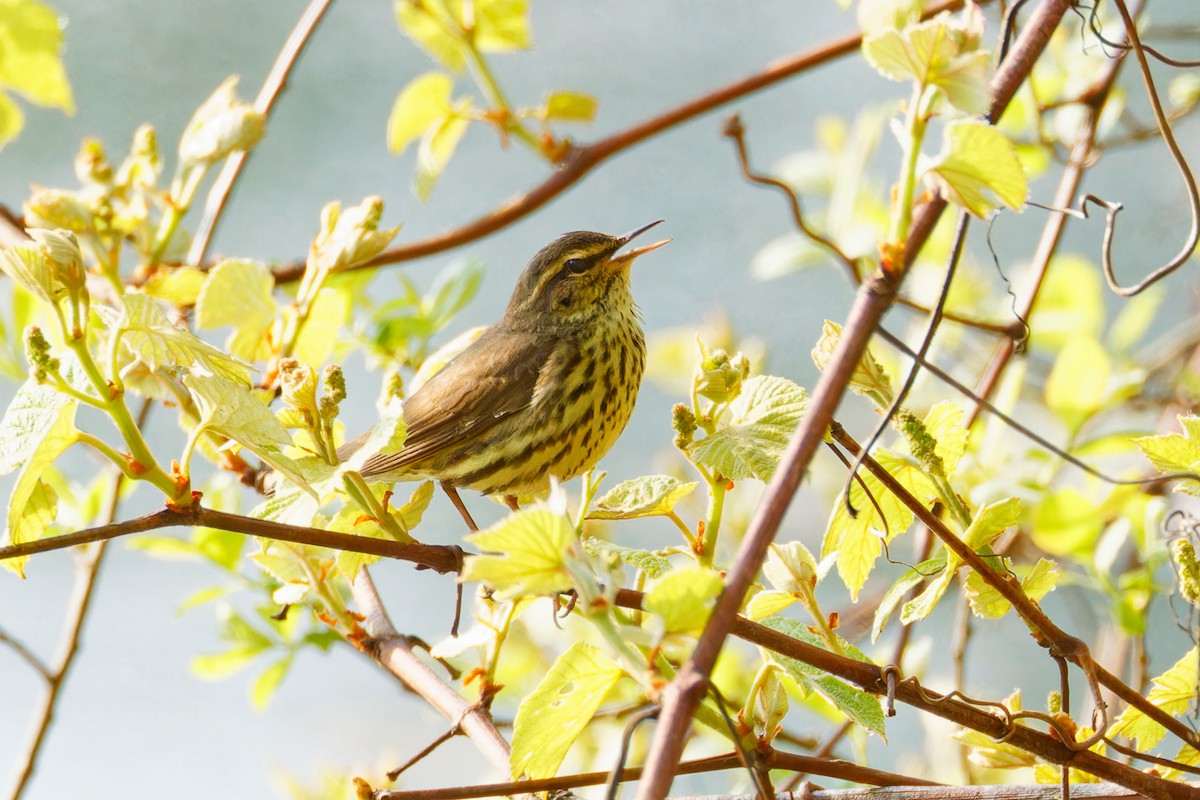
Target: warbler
{"x": 545, "y": 391}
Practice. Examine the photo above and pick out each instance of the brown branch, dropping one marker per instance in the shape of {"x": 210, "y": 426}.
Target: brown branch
{"x": 871, "y": 678}
{"x": 274, "y": 85}
{"x": 394, "y": 653}
{"x": 439, "y": 558}
{"x": 583, "y": 158}
{"x": 86, "y": 572}
{"x": 873, "y": 298}
{"x": 1028, "y": 792}
{"x": 827, "y": 767}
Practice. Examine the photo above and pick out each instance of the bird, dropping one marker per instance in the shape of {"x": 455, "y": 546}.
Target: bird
{"x": 543, "y": 392}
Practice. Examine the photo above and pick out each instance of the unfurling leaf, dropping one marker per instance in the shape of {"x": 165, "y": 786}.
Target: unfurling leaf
{"x": 523, "y": 554}
{"x": 1172, "y": 452}
{"x": 683, "y": 598}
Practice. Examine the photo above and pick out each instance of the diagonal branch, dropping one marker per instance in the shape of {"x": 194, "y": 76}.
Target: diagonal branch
{"x": 873, "y": 298}
{"x": 583, "y": 158}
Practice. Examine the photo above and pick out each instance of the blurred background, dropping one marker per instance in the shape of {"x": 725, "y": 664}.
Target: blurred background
{"x": 134, "y": 721}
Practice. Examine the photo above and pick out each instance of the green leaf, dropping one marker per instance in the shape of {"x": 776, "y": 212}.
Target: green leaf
{"x": 37, "y": 428}
{"x": 684, "y": 598}
{"x": 752, "y": 435}
{"x": 569, "y": 107}
{"x": 27, "y": 266}
{"x": 149, "y": 336}
{"x": 858, "y": 541}
{"x": 179, "y": 286}
{"x": 290, "y": 505}
{"x": 202, "y": 596}
{"x": 327, "y": 320}
{"x": 1173, "y": 692}
{"x": 434, "y": 31}
{"x": 653, "y": 565}
{"x": 869, "y": 378}
{"x": 238, "y": 292}
{"x": 923, "y": 604}
{"x": 977, "y": 168}
{"x": 268, "y": 681}
{"x": 1078, "y": 383}
{"x": 893, "y": 596}
{"x": 1135, "y": 318}
{"x": 453, "y": 288}
{"x": 1071, "y": 303}
{"x": 552, "y": 717}
{"x": 30, "y": 61}
{"x": 528, "y": 554}
{"x": 422, "y": 102}
{"x": 214, "y": 666}
{"x": 349, "y": 520}
{"x": 649, "y": 496}
{"x": 859, "y": 706}
{"x": 233, "y": 411}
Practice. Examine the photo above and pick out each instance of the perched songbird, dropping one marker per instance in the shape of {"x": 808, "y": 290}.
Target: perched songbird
{"x": 545, "y": 391}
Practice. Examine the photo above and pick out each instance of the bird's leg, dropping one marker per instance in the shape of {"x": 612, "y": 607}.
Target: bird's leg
{"x": 452, "y": 493}
{"x": 510, "y": 500}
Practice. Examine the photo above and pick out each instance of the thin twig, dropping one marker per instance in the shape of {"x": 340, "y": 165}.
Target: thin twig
{"x": 274, "y": 85}
{"x": 583, "y": 158}
{"x": 439, "y": 558}
{"x": 25, "y": 654}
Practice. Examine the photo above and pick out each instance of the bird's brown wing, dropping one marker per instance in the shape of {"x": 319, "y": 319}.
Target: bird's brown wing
{"x": 493, "y": 378}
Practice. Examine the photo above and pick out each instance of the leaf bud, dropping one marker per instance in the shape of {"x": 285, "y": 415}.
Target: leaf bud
{"x": 683, "y": 421}
{"x": 222, "y": 124}
{"x": 349, "y": 237}
{"x": 335, "y": 392}
{"x": 56, "y": 208}
{"x": 144, "y": 165}
{"x": 37, "y": 353}
{"x": 298, "y": 385}
{"x": 1184, "y": 553}
{"x": 719, "y": 377}
{"x": 63, "y": 258}
{"x": 91, "y": 164}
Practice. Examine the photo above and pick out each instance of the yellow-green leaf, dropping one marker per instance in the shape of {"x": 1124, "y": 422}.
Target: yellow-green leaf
{"x": 1078, "y": 383}
{"x": 753, "y": 433}
{"x": 569, "y": 107}
{"x": 552, "y": 717}
{"x": 30, "y": 54}
{"x": 438, "y": 145}
{"x": 649, "y": 496}
{"x": 523, "y": 554}
{"x": 421, "y": 103}
{"x": 768, "y": 603}
{"x": 149, "y": 336}
{"x": 684, "y": 598}
{"x": 238, "y": 292}
{"x": 1172, "y": 452}
{"x": 434, "y": 31}
{"x": 977, "y": 168}
{"x": 944, "y": 423}
{"x": 1173, "y": 692}
{"x": 502, "y": 26}
{"x": 1065, "y": 523}
{"x": 11, "y": 119}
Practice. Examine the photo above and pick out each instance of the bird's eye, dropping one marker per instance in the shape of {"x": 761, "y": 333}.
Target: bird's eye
{"x": 576, "y": 265}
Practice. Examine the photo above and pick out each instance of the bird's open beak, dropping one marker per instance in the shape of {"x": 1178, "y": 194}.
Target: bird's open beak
{"x": 632, "y": 254}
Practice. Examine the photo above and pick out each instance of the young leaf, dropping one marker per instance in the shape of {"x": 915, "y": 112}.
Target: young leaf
{"x": 859, "y": 706}
{"x": 569, "y": 107}
{"x": 438, "y": 145}
{"x": 37, "y": 428}
{"x": 1078, "y": 383}
{"x": 434, "y": 31}
{"x": 893, "y": 596}
{"x": 990, "y": 521}
{"x": 754, "y": 432}
{"x": 790, "y": 566}
{"x": 1171, "y": 452}
{"x": 502, "y": 26}
{"x": 146, "y": 332}
{"x": 30, "y": 62}
{"x": 268, "y": 681}
{"x": 986, "y": 602}
{"x": 233, "y": 411}
{"x": 1174, "y": 691}
{"x": 869, "y": 378}
{"x": 524, "y": 554}
{"x": 683, "y": 598}
{"x": 238, "y": 292}
{"x": 653, "y": 565}
{"x": 421, "y": 103}
{"x": 552, "y": 717}
{"x": 977, "y": 168}
{"x": 649, "y": 496}
{"x": 858, "y": 540}
{"x": 944, "y": 423}
{"x": 767, "y": 603}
